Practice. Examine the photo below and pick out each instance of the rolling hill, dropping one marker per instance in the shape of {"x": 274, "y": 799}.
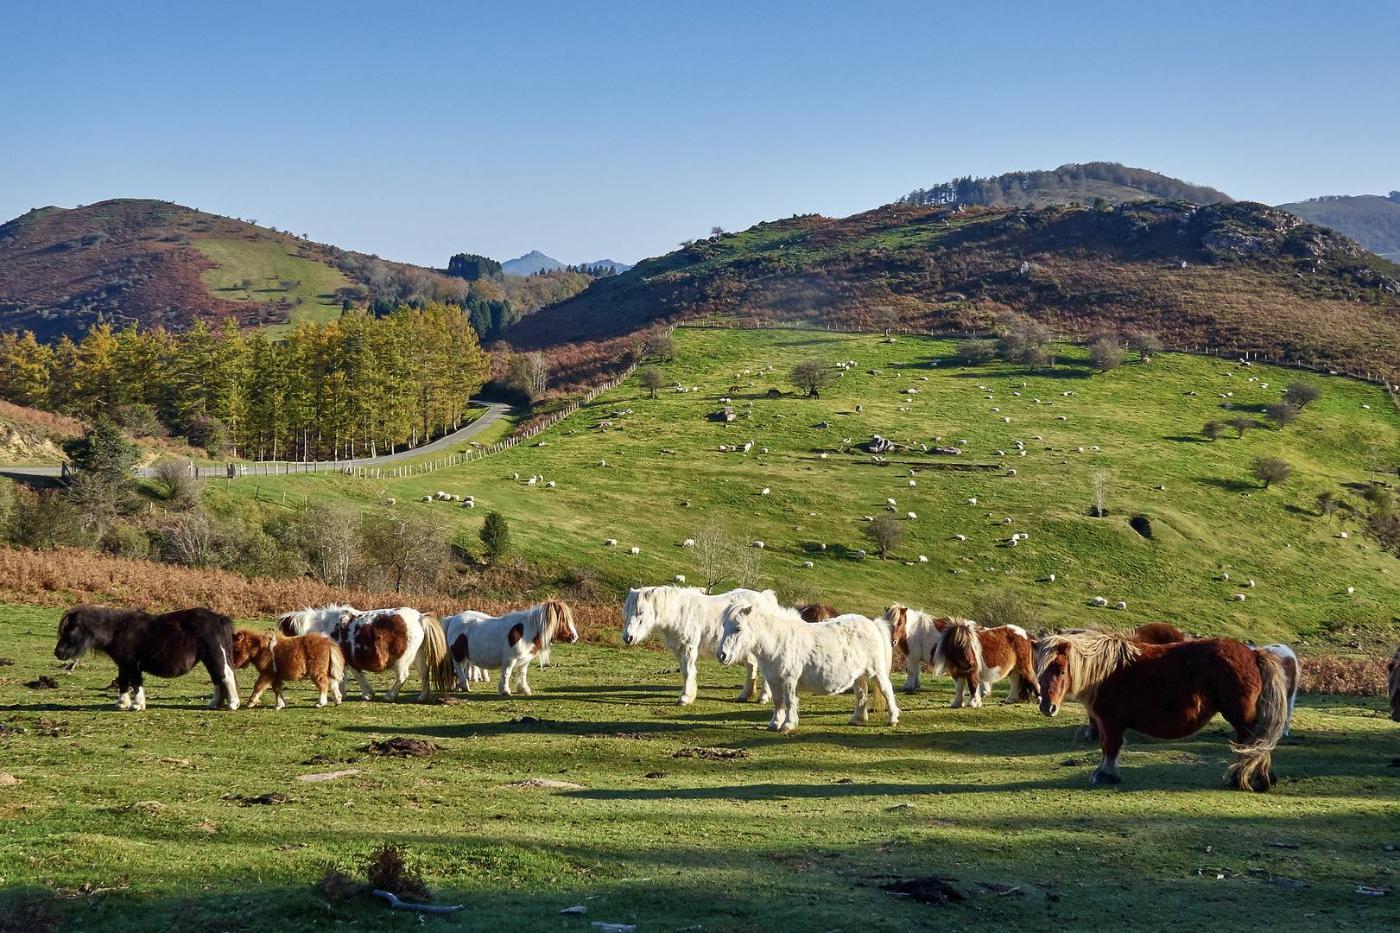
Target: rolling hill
{"x": 1073, "y": 183}
{"x": 1370, "y": 219}
{"x": 1231, "y": 276}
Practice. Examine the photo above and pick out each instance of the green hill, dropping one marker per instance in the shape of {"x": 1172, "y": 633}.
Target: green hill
{"x": 1369, "y": 219}
{"x": 1137, "y": 426}
{"x": 1074, "y": 183}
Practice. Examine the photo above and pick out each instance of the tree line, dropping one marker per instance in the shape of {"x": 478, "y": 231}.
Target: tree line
{"x": 361, "y": 385}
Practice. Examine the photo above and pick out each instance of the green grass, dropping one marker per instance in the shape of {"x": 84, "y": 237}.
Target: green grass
{"x": 266, "y": 263}
{"x": 131, "y": 821}
{"x": 1210, "y": 518}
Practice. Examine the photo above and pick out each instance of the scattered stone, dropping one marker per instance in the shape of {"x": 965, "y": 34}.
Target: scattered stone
{"x": 547, "y": 783}
{"x": 327, "y": 775}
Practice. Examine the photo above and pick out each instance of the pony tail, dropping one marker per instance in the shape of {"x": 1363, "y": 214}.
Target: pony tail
{"x": 337, "y": 665}
{"x": 441, "y": 674}
{"x": 1253, "y": 765}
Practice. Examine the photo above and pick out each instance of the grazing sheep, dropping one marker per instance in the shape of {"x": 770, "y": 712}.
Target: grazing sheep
{"x": 679, "y": 578}
{"x": 602, "y": 463}
{"x": 1351, "y": 591}
{"x": 1239, "y": 597}
{"x": 860, "y": 554}
{"x": 688, "y": 542}
{"x": 760, "y": 545}
{"x": 972, "y": 500}
{"x": 913, "y": 483}
{"x": 391, "y": 501}
{"x": 1011, "y": 472}
{"x": 469, "y": 503}
{"x": 549, "y": 485}
{"x": 959, "y": 537}
{"x": 763, "y": 450}
{"x": 634, "y": 550}
{"x": 1343, "y": 535}
{"x": 889, "y": 502}
{"x": 808, "y": 564}
{"x": 1120, "y": 605}
{"x": 911, "y": 515}
{"x": 1224, "y": 576}
{"x": 610, "y": 542}
{"x": 426, "y": 499}
{"x": 1100, "y": 601}
{"x": 1249, "y": 584}
{"x": 765, "y": 491}
{"x": 1051, "y": 578}
{"x": 923, "y": 558}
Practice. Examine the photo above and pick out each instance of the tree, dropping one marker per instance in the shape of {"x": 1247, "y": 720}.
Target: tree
{"x": 472, "y": 267}
{"x": 651, "y": 379}
{"x": 811, "y": 376}
{"x": 660, "y": 345}
{"x": 1242, "y": 424}
{"x": 720, "y": 557}
{"x": 1213, "y": 430}
{"x": 103, "y": 454}
{"x": 1301, "y": 394}
{"x": 330, "y": 540}
{"x": 1106, "y": 353}
{"x": 405, "y": 550}
{"x": 1282, "y": 414}
{"x": 529, "y": 374}
{"x": 183, "y": 485}
{"x": 1146, "y": 343}
{"x": 1327, "y": 503}
{"x": 495, "y": 535}
{"x": 1271, "y": 470}
{"x": 975, "y": 352}
{"x": 1024, "y": 340}
{"x": 885, "y": 532}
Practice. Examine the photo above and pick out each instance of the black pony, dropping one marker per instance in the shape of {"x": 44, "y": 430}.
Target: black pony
{"x": 166, "y": 645}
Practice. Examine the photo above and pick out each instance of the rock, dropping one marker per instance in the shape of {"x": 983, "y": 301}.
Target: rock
{"x": 879, "y": 445}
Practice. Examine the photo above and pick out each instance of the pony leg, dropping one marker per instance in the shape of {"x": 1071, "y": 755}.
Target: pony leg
{"x": 958, "y": 684}
{"x": 281, "y": 700}
{"x": 366, "y": 691}
{"x": 751, "y": 677}
{"x": 862, "y": 690}
{"x": 522, "y": 679}
{"x": 686, "y": 655}
{"x": 886, "y": 687}
{"x": 912, "y": 676}
{"x": 779, "y": 710}
{"x": 1016, "y": 692}
{"x": 124, "y": 688}
{"x": 504, "y": 686}
{"x": 421, "y": 663}
{"x": 138, "y": 696}
{"x": 974, "y": 689}
{"x": 323, "y": 685}
{"x": 789, "y": 707}
{"x": 335, "y": 691}
{"x": 401, "y": 671}
{"x": 1111, "y": 744}
{"x": 463, "y": 682}
{"x": 262, "y": 683}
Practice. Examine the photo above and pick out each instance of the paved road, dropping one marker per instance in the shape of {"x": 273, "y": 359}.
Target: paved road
{"x": 493, "y": 413}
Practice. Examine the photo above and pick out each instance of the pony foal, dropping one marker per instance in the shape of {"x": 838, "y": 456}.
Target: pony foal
{"x": 281, "y": 660}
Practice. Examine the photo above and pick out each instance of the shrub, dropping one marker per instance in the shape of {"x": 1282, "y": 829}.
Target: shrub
{"x": 208, "y": 433}
{"x": 1301, "y": 394}
{"x": 811, "y": 376}
{"x": 650, "y": 378}
{"x": 1146, "y": 343}
{"x": 405, "y": 551}
{"x": 1385, "y": 528}
{"x": 885, "y": 533}
{"x": 1106, "y": 353}
{"x": 1282, "y": 414}
{"x": 1270, "y": 470}
{"x": 976, "y": 352}
{"x": 660, "y": 345}
{"x": 1242, "y": 424}
{"x": 1379, "y": 497}
{"x": 1002, "y": 607}
{"x": 183, "y": 487}
{"x": 388, "y": 870}
{"x": 1024, "y": 340}
{"x": 1354, "y": 676}
{"x": 1213, "y": 430}
{"x": 45, "y": 520}
{"x": 1327, "y": 503}
{"x": 495, "y": 535}
{"x": 140, "y": 420}
{"x": 720, "y": 557}
{"x": 125, "y": 540}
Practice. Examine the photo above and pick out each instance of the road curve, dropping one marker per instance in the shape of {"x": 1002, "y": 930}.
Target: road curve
{"x": 494, "y": 412}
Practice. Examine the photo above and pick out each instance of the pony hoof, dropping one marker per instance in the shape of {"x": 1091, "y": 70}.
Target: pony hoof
{"x": 787, "y": 729}
{"x": 1103, "y": 777}
{"x": 685, "y": 701}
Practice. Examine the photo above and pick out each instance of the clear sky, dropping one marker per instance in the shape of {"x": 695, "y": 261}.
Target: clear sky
{"x": 614, "y": 130}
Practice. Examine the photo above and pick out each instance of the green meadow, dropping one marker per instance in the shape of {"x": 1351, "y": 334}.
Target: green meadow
{"x": 263, "y": 270}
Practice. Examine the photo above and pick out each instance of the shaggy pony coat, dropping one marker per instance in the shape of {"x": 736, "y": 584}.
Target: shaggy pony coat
{"x": 1169, "y": 692}
{"x": 691, "y": 622}
{"x": 398, "y": 640}
{"x": 915, "y": 633}
{"x": 167, "y": 645}
{"x": 978, "y": 657}
{"x": 507, "y": 643}
{"x": 282, "y": 659}
{"x": 828, "y": 657}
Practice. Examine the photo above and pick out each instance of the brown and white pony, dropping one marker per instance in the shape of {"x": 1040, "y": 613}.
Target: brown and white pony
{"x": 915, "y": 633}
{"x": 139, "y": 643}
{"x": 398, "y": 640}
{"x": 282, "y": 659}
{"x": 1169, "y": 692}
{"x": 1393, "y": 685}
{"x": 975, "y": 656}
{"x": 507, "y": 643}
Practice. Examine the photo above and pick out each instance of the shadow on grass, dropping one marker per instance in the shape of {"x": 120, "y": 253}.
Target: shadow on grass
{"x": 1229, "y": 485}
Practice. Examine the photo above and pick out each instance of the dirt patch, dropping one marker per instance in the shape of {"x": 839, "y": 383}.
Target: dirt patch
{"x": 927, "y": 890}
{"x": 50, "y": 728}
{"x": 530, "y": 721}
{"x": 616, "y": 735}
{"x": 44, "y": 682}
{"x": 331, "y": 760}
{"x": 400, "y": 747}
{"x": 712, "y": 753}
{"x": 8, "y": 780}
{"x": 145, "y": 807}
{"x": 270, "y": 799}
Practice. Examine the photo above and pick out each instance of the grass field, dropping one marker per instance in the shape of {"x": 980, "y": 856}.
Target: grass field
{"x": 142, "y": 821}
{"x": 1137, "y": 426}
{"x": 267, "y": 264}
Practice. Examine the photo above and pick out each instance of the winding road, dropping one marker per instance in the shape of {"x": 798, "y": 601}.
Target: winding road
{"x": 494, "y": 412}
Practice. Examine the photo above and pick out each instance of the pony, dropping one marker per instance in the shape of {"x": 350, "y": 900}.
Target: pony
{"x": 690, "y": 621}
{"x": 1157, "y": 633}
{"x": 507, "y": 643}
{"x": 167, "y": 645}
{"x": 467, "y": 672}
{"x": 303, "y": 621}
{"x": 830, "y": 657}
{"x": 1292, "y": 670}
{"x": 816, "y": 612}
{"x": 1393, "y": 685}
{"x": 402, "y": 638}
{"x": 916, "y": 634}
{"x": 279, "y": 661}
{"x": 978, "y": 657}
{"x": 1169, "y": 692}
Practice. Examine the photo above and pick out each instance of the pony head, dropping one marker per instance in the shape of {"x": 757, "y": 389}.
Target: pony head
{"x": 559, "y": 622}
{"x": 248, "y": 644}
{"x": 75, "y": 634}
{"x": 897, "y": 618}
{"x": 739, "y": 622}
{"x": 1394, "y": 686}
{"x": 1052, "y": 673}
{"x": 640, "y": 613}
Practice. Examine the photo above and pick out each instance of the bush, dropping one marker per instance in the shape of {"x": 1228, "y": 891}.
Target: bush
{"x": 811, "y": 376}
{"x": 140, "y": 421}
{"x": 1242, "y": 424}
{"x": 1301, "y": 394}
{"x": 1352, "y": 676}
{"x": 1002, "y": 607}
{"x": 1146, "y": 343}
{"x": 1282, "y": 414}
{"x": 1379, "y": 497}
{"x": 44, "y": 521}
{"x": 495, "y": 535}
{"x": 650, "y": 378}
{"x": 405, "y": 551}
{"x": 885, "y": 533}
{"x": 183, "y": 487}
{"x": 1213, "y": 430}
{"x": 1106, "y": 353}
{"x": 976, "y": 352}
{"x": 1271, "y": 470}
{"x": 125, "y": 540}
{"x": 1024, "y": 340}
{"x": 1327, "y": 503}
{"x": 208, "y": 434}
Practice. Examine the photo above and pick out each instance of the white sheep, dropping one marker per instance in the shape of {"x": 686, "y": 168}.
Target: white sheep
{"x": 426, "y": 499}
{"x": 610, "y": 542}
{"x": 679, "y": 578}
{"x": 1249, "y": 584}
{"x": 602, "y": 463}
{"x": 549, "y": 485}
{"x": 911, "y": 515}
{"x": 972, "y": 500}
{"x": 959, "y": 537}
{"x": 1006, "y": 520}
{"x": 1351, "y": 591}
{"x": 823, "y": 456}
{"x": 765, "y": 491}
{"x": 923, "y": 558}
{"x": 532, "y": 481}
{"x": 860, "y": 554}
{"x": 889, "y": 502}
{"x": 760, "y": 545}
{"x": 688, "y": 542}
{"x": 391, "y": 501}
{"x": 1005, "y": 420}
{"x": 1343, "y": 535}
{"x": 634, "y": 550}
{"x": 1120, "y": 605}
{"x": 763, "y": 450}
{"x": 913, "y": 483}
{"x": 808, "y": 564}
{"x": 1239, "y": 597}
{"x": 1100, "y": 601}
{"x": 1051, "y": 578}
{"x": 1011, "y": 472}
{"x": 868, "y": 518}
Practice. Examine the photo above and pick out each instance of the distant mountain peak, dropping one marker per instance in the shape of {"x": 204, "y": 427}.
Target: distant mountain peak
{"x": 532, "y": 263}
{"x": 1073, "y": 182}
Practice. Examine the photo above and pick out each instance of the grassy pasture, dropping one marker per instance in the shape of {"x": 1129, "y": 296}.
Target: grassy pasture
{"x": 268, "y": 264}
{"x": 1136, "y": 425}
{"x": 138, "y": 821}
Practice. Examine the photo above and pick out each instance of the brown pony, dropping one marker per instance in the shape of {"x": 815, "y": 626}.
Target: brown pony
{"x": 1169, "y": 692}
{"x": 978, "y": 657}
{"x": 816, "y": 612}
{"x": 1157, "y": 633}
{"x": 281, "y": 660}
{"x": 1394, "y": 685}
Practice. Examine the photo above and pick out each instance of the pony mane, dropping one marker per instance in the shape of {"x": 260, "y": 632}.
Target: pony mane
{"x": 553, "y": 613}
{"x": 1093, "y": 657}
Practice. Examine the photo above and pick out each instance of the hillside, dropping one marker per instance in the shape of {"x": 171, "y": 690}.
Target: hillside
{"x": 1369, "y": 219}
{"x": 1074, "y": 183}
{"x": 1236, "y": 276}
{"x": 158, "y": 263}
{"x": 650, "y": 473}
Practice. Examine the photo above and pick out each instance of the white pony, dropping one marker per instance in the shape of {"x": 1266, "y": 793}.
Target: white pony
{"x": 507, "y": 643}
{"x": 915, "y": 632}
{"x": 830, "y": 657}
{"x": 690, "y": 621}
{"x": 381, "y": 639}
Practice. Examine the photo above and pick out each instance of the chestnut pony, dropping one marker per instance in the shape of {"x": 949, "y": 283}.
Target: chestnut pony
{"x": 1169, "y": 692}
{"x": 281, "y": 659}
{"x": 977, "y": 657}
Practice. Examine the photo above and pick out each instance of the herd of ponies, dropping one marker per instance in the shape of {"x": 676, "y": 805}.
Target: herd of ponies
{"x": 1155, "y": 679}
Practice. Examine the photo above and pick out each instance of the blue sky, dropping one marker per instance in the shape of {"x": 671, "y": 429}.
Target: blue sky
{"x": 416, "y": 130}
